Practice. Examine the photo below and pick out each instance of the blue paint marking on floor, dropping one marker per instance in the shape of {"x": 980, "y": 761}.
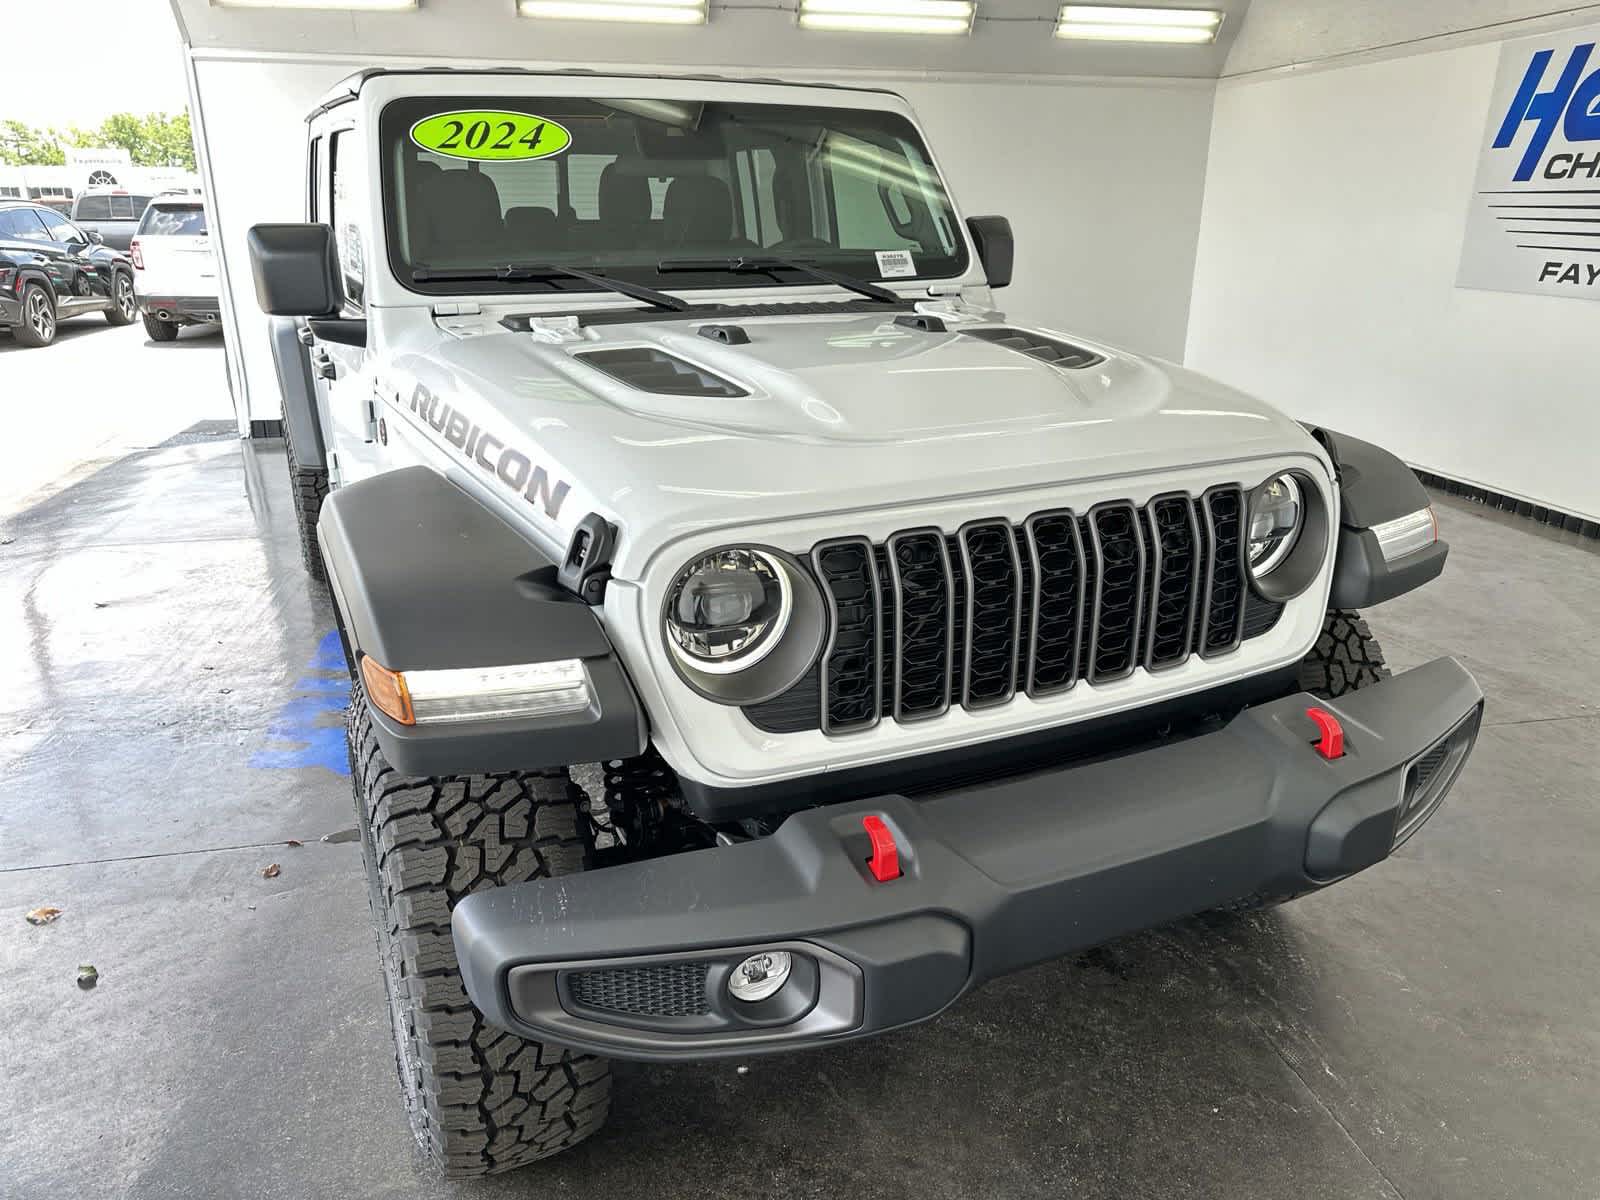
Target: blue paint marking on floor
{"x": 309, "y": 729}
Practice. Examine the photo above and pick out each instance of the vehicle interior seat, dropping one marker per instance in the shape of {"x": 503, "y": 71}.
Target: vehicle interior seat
{"x": 463, "y": 207}
{"x": 624, "y": 203}
{"x": 532, "y": 233}
{"x": 698, "y": 211}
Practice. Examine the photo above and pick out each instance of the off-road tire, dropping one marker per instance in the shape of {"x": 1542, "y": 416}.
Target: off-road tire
{"x": 124, "y": 308}
{"x": 308, "y": 486}
{"x": 159, "y": 330}
{"x": 480, "y": 1100}
{"x": 1346, "y": 657}
{"x": 25, "y": 333}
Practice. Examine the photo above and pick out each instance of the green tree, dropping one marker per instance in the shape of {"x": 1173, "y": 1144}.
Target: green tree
{"x": 22, "y": 145}
{"x": 153, "y": 140}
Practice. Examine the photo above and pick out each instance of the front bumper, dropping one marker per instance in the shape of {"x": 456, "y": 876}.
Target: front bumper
{"x": 632, "y": 961}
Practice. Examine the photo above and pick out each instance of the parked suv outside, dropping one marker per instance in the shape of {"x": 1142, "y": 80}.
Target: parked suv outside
{"x": 112, "y": 213}
{"x": 757, "y": 638}
{"x": 174, "y": 269}
{"x": 51, "y": 270}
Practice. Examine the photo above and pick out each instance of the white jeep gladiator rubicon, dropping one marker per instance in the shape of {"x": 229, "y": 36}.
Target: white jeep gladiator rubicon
{"x": 758, "y": 640}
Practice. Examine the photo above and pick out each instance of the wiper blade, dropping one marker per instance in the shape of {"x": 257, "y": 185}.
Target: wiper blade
{"x": 766, "y": 265}
{"x": 512, "y": 272}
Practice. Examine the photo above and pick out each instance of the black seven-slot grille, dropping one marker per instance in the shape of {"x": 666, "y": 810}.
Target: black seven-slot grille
{"x": 927, "y": 620}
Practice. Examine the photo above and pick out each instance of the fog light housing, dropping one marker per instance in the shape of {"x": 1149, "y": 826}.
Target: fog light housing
{"x": 547, "y": 689}
{"x": 759, "y": 976}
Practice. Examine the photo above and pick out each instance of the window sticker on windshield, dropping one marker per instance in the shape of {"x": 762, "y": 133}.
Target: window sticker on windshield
{"x": 894, "y": 263}
{"x": 490, "y": 136}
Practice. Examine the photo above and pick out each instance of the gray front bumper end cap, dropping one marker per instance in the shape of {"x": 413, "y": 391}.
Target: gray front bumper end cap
{"x": 633, "y": 961}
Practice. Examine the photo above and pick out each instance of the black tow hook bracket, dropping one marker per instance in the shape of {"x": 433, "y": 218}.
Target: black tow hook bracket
{"x": 586, "y": 566}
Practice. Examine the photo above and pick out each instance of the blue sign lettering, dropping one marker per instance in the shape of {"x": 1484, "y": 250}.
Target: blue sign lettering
{"x": 1573, "y": 105}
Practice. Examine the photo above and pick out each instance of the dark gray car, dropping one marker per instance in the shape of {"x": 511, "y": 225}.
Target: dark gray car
{"x": 112, "y": 213}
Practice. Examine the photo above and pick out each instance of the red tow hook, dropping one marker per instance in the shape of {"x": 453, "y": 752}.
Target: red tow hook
{"x": 1331, "y": 744}
{"x": 885, "y": 861}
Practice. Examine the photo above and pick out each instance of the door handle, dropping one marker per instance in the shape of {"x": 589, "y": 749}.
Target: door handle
{"x": 322, "y": 363}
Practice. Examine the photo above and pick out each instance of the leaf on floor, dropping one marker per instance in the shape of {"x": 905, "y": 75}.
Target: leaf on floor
{"x": 43, "y": 915}
{"x": 271, "y": 871}
{"x": 294, "y": 842}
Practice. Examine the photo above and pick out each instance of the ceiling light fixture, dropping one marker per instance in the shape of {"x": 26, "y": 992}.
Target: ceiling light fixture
{"x": 888, "y": 16}
{"x": 339, "y": 5}
{"x": 652, "y": 12}
{"x": 1116, "y": 23}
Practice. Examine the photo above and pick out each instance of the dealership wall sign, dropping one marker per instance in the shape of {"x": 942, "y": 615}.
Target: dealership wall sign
{"x": 1535, "y": 219}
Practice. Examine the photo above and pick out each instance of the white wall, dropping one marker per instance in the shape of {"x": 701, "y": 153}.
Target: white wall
{"x": 1102, "y": 181}
{"x": 1334, "y": 211}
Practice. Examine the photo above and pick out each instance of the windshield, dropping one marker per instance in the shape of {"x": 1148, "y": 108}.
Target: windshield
{"x": 659, "y": 192}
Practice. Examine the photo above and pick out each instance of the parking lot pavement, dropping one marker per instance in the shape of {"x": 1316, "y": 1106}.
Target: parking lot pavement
{"x": 171, "y": 722}
{"x": 97, "y": 394}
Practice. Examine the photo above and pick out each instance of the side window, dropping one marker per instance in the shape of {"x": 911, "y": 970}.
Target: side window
{"x": 94, "y": 208}
{"x": 59, "y": 229}
{"x": 344, "y": 212}
{"x": 855, "y": 170}
{"x": 22, "y": 223}
{"x": 759, "y": 212}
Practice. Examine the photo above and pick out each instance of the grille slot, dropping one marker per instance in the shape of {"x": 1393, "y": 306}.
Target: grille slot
{"x": 927, "y": 620}
{"x": 993, "y": 625}
{"x": 1055, "y": 551}
{"x": 664, "y": 990}
{"x": 1117, "y": 541}
{"x": 852, "y": 665}
{"x": 652, "y": 371}
{"x": 1175, "y": 580}
{"x": 923, "y": 590}
{"x": 1222, "y": 626}
{"x": 1036, "y": 345}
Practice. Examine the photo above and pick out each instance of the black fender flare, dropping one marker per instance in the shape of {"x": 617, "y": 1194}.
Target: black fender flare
{"x": 1374, "y": 487}
{"x": 424, "y": 577}
{"x": 37, "y": 274}
{"x": 302, "y": 422}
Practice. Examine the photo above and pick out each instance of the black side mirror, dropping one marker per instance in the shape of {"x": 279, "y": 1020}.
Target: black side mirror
{"x": 995, "y": 247}
{"x": 296, "y": 269}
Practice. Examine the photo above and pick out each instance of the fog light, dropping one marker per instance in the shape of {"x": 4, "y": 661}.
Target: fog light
{"x": 760, "y": 976}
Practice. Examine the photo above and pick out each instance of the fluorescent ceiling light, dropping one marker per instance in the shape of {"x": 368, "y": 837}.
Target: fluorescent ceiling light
{"x": 344, "y": 5}
{"x": 1115, "y": 23}
{"x": 656, "y": 12}
{"x": 888, "y": 16}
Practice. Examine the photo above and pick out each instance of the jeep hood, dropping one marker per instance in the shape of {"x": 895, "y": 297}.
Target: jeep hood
{"x": 841, "y": 412}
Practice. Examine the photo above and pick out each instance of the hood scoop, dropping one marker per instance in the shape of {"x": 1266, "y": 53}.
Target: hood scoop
{"x": 651, "y": 370}
{"x": 1035, "y": 345}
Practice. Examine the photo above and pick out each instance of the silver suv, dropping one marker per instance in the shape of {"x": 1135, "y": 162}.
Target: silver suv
{"x": 758, "y": 639}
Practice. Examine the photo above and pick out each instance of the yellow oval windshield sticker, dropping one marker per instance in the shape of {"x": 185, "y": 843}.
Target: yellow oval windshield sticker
{"x": 489, "y": 136}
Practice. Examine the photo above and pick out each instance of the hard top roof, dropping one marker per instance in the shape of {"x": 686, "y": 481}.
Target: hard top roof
{"x": 348, "y": 88}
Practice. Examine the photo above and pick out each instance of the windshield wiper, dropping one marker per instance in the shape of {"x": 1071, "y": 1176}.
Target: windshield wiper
{"x": 512, "y": 272}
{"x": 766, "y": 265}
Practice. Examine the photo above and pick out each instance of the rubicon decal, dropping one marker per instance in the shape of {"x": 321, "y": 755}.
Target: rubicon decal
{"x": 1534, "y": 223}
{"x": 511, "y": 467}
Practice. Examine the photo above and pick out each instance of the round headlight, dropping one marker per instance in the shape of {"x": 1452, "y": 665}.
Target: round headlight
{"x": 1276, "y": 515}
{"x": 727, "y": 610}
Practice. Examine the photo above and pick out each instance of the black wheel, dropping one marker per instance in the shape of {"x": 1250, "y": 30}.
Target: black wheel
{"x": 1346, "y": 657}
{"x": 309, "y": 487}
{"x": 480, "y": 1100}
{"x": 159, "y": 330}
{"x": 38, "y": 326}
{"x": 124, "y": 308}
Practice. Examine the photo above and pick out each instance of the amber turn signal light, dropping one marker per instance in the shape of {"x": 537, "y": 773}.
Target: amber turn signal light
{"x": 387, "y": 691}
